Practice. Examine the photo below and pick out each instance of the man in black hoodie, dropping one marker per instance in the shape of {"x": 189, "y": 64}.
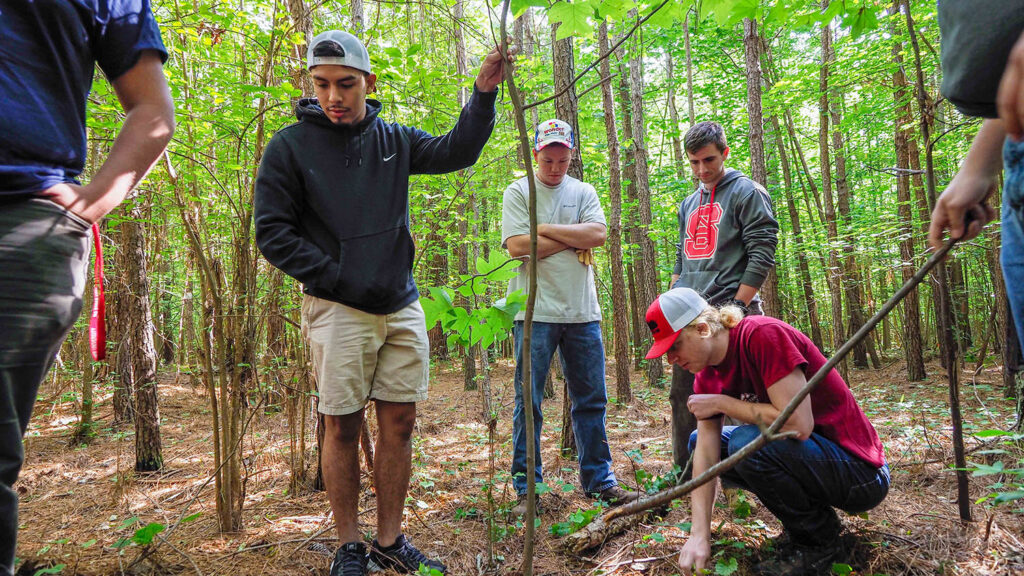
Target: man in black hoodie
{"x": 727, "y": 239}
{"x": 332, "y": 211}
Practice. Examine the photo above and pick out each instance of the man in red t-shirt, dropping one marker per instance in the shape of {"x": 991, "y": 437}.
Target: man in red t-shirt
{"x": 750, "y": 368}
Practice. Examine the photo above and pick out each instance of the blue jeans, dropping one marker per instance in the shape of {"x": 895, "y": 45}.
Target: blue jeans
{"x": 801, "y": 481}
{"x": 583, "y": 364}
{"x": 1012, "y": 255}
{"x": 44, "y": 251}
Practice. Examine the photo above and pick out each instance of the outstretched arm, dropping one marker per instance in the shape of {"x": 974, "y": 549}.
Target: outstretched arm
{"x": 696, "y": 553}
{"x": 970, "y": 188}
{"x": 148, "y": 125}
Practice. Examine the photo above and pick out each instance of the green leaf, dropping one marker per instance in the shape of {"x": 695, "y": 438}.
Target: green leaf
{"x": 573, "y": 18}
{"x": 1005, "y": 497}
{"x": 667, "y": 16}
{"x": 617, "y": 9}
{"x": 146, "y": 534}
{"x": 986, "y": 470}
{"x": 841, "y": 569}
{"x": 861, "y": 21}
{"x": 191, "y": 517}
{"x": 51, "y": 570}
{"x": 518, "y": 7}
{"x": 726, "y": 566}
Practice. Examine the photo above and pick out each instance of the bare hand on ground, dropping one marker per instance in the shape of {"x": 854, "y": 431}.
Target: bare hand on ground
{"x": 693, "y": 558}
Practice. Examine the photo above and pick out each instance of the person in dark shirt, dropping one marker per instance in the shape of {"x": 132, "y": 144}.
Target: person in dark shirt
{"x": 48, "y": 53}
{"x": 332, "y": 211}
{"x": 750, "y": 368}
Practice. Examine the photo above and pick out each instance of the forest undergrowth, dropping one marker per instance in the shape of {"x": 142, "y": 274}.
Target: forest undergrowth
{"x": 85, "y": 511}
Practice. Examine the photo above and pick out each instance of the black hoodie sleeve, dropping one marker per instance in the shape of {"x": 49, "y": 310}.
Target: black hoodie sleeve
{"x": 278, "y": 208}
{"x": 461, "y": 146}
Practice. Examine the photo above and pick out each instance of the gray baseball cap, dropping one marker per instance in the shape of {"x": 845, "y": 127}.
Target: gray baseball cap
{"x": 353, "y": 53}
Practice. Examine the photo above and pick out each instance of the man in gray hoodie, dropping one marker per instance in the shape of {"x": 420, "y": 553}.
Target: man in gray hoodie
{"x": 727, "y": 239}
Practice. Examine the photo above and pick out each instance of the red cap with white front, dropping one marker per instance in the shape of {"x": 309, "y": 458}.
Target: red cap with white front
{"x": 669, "y": 314}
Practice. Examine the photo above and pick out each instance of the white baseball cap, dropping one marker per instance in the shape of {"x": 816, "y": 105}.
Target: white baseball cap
{"x": 669, "y": 314}
{"x": 553, "y": 132}
{"x": 353, "y": 53}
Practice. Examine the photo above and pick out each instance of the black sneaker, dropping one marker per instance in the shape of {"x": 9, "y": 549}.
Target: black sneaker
{"x": 800, "y": 560}
{"x": 403, "y": 557}
{"x": 349, "y": 560}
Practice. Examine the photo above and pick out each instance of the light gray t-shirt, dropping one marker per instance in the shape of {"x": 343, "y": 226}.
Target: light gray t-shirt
{"x": 566, "y": 292}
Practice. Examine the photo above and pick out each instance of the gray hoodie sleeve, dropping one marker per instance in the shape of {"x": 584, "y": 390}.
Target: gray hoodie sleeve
{"x": 760, "y": 233}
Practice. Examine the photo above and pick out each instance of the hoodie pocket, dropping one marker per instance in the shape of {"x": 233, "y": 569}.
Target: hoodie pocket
{"x": 374, "y": 269}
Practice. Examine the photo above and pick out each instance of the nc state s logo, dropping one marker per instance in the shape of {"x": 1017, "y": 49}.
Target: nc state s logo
{"x": 702, "y": 232}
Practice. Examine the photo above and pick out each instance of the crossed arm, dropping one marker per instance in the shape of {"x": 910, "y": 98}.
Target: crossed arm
{"x": 553, "y": 238}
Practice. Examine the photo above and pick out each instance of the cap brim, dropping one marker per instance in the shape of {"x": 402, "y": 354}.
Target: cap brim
{"x": 661, "y": 346}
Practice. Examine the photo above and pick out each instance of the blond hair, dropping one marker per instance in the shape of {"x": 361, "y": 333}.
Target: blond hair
{"x": 718, "y": 319}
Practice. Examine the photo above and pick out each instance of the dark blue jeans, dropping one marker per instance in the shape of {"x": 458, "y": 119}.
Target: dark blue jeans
{"x": 43, "y": 254}
{"x": 1012, "y": 255}
{"x": 583, "y": 357}
{"x": 801, "y": 482}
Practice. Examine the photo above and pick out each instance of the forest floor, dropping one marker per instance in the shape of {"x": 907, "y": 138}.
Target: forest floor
{"x": 81, "y": 504}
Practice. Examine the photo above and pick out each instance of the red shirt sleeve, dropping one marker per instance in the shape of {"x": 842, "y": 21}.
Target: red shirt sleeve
{"x": 773, "y": 354}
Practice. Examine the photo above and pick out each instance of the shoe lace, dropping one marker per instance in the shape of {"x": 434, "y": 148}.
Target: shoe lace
{"x": 347, "y": 564}
{"x": 411, "y": 557}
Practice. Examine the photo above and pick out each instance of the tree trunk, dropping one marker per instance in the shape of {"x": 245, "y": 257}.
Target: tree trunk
{"x": 648, "y": 265}
{"x": 567, "y": 105}
{"x": 834, "y": 273}
{"x": 138, "y": 332}
{"x": 913, "y": 347}
{"x": 852, "y": 280}
{"x": 758, "y": 170}
{"x": 623, "y": 390}
{"x": 691, "y": 114}
{"x": 801, "y": 257}
{"x": 673, "y": 113}
{"x": 629, "y": 174}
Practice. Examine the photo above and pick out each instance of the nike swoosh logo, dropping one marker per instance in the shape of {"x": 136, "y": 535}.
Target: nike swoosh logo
{"x": 386, "y": 158}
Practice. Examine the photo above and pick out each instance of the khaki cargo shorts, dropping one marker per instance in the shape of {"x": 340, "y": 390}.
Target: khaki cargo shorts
{"x": 358, "y": 356}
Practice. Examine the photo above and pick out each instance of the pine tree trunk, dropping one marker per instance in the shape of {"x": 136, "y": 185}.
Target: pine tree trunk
{"x": 833, "y": 273}
{"x": 140, "y": 349}
{"x": 673, "y": 113}
{"x": 647, "y": 283}
{"x": 758, "y": 170}
{"x": 623, "y": 389}
{"x": 913, "y": 347}
{"x": 801, "y": 251}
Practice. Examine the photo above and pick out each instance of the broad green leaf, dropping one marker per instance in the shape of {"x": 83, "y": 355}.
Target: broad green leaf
{"x": 986, "y": 470}
{"x": 573, "y": 18}
{"x": 51, "y": 570}
{"x": 668, "y": 14}
{"x": 861, "y": 21}
{"x": 617, "y": 9}
{"x": 146, "y": 534}
{"x": 726, "y": 566}
{"x": 518, "y": 7}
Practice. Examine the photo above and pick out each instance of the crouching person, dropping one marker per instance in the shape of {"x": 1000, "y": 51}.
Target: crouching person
{"x": 749, "y": 368}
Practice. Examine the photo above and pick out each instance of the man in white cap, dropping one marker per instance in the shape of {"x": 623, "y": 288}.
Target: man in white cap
{"x": 750, "y": 368}
{"x": 332, "y": 211}
{"x": 570, "y": 224}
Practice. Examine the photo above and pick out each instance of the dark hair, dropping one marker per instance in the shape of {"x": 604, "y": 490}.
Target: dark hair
{"x": 329, "y": 48}
{"x": 703, "y": 133}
